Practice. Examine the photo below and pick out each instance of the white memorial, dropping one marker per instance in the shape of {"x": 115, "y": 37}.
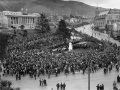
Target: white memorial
{"x": 70, "y": 46}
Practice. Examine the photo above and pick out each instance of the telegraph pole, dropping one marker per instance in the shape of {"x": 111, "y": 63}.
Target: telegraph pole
{"x": 88, "y": 74}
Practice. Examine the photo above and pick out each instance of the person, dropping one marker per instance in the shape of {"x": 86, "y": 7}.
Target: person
{"x": 35, "y": 76}
{"x": 0, "y": 77}
{"x": 104, "y": 70}
{"x": 114, "y": 85}
{"x": 117, "y": 67}
{"x": 64, "y": 85}
{"x": 40, "y": 81}
{"x": 102, "y": 87}
{"x": 61, "y": 85}
{"x": 45, "y": 82}
{"x": 19, "y": 76}
{"x": 48, "y": 73}
{"x": 56, "y": 73}
{"x": 98, "y": 87}
{"x": 118, "y": 79}
{"x": 57, "y": 86}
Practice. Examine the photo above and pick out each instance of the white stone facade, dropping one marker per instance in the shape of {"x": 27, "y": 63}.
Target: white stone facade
{"x": 8, "y": 19}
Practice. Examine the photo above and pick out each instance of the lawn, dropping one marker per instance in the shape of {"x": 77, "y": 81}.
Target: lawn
{"x": 30, "y": 31}
{"x": 81, "y": 50}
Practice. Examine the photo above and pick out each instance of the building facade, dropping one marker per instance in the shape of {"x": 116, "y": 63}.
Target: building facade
{"x": 16, "y": 19}
{"x": 107, "y": 17}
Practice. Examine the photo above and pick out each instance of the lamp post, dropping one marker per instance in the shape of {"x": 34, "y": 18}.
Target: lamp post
{"x": 89, "y": 61}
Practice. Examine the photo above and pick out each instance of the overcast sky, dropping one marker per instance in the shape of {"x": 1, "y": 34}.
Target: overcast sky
{"x": 102, "y": 3}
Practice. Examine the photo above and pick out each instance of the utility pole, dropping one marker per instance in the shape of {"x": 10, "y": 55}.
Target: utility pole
{"x": 89, "y": 61}
{"x": 91, "y": 27}
{"x": 88, "y": 75}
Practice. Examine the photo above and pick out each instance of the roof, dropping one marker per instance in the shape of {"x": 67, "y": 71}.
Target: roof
{"x": 114, "y": 11}
{"x": 23, "y": 15}
{"x": 104, "y": 13}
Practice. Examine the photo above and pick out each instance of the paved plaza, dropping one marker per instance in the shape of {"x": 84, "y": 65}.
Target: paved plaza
{"x": 73, "y": 82}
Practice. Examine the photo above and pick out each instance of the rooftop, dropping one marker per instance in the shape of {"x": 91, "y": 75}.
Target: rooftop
{"x": 103, "y": 13}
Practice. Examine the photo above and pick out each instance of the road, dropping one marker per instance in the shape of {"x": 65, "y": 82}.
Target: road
{"x": 86, "y": 29}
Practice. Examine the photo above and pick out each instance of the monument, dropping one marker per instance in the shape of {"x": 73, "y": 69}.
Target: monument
{"x": 70, "y": 46}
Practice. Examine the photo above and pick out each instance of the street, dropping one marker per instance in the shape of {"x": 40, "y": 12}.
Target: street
{"x": 86, "y": 29}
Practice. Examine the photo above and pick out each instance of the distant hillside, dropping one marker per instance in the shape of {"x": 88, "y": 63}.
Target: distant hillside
{"x": 49, "y": 6}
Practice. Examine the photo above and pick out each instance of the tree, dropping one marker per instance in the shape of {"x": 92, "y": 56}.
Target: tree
{"x": 63, "y": 30}
{"x": 24, "y": 31}
{"x": 42, "y": 24}
{"x": 22, "y": 27}
{"x": 6, "y": 85}
{"x": 14, "y": 28}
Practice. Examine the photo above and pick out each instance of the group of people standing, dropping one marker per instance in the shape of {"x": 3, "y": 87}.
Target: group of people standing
{"x": 100, "y": 87}
{"x": 61, "y": 86}
{"x": 43, "y": 82}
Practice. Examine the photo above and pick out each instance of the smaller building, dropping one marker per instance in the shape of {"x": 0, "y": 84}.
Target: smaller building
{"x": 86, "y": 19}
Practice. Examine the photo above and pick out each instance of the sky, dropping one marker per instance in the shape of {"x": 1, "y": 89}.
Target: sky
{"x": 102, "y": 3}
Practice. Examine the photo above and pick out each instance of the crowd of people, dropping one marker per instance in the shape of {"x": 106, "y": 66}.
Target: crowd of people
{"x": 32, "y": 55}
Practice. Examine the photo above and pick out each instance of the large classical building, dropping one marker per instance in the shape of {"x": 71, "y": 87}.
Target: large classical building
{"x": 107, "y": 17}
{"x": 9, "y": 18}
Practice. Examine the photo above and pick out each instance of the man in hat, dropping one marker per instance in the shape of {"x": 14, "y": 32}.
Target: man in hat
{"x": 98, "y": 87}
{"x": 64, "y": 85}
{"x": 45, "y": 83}
{"x": 118, "y": 79}
{"x": 57, "y": 86}
{"x": 40, "y": 81}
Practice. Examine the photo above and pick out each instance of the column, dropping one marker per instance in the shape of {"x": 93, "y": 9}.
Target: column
{"x": 19, "y": 20}
{"x": 27, "y": 20}
{"x": 30, "y": 21}
{"x": 22, "y": 20}
{"x": 13, "y": 20}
